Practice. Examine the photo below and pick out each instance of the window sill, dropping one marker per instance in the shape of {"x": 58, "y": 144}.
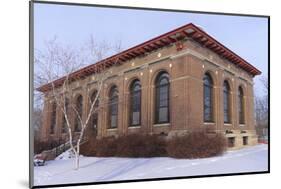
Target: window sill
{"x": 209, "y": 123}
{"x": 162, "y": 125}
{"x": 230, "y": 135}
{"x": 242, "y": 125}
{"x": 134, "y": 127}
{"x": 112, "y": 129}
{"x": 227, "y": 124}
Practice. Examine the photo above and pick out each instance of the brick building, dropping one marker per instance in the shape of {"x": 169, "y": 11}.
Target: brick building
{"x": 179, "y": 82}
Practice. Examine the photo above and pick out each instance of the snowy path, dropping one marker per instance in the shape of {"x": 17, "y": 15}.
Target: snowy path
{"x": 93, "y": 169}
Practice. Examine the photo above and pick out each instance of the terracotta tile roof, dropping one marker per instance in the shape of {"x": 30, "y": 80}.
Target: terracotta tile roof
{"x": 190, "y": 30}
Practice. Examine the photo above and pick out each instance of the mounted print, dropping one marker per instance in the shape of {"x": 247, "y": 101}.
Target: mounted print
{"x": 123, "y": 94}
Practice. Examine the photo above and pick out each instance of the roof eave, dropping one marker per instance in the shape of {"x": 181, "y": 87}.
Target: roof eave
{"x": 189, "y": 30}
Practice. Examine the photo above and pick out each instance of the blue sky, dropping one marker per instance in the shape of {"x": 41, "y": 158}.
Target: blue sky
{"x": 246, "y": 36}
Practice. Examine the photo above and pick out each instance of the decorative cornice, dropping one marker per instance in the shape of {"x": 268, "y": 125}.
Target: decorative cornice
{"x": 187, "y": 31}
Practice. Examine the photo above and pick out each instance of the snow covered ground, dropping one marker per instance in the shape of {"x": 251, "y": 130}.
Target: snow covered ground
{"x": 93, "y": 169}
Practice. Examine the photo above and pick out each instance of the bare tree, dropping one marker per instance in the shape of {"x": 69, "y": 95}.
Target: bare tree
{"x": 58, "y": 61}
{"x": 53, "y": 62}
{"x": 60, "y": 97}
{"x": 265, "y": 83}
{"x": 261, "y": 109}
{"x": 37, "y": 123}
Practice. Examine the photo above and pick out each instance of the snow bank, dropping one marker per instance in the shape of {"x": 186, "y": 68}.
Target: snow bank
{"x": 92, "y": 169}
{"x": 66, "y": 155}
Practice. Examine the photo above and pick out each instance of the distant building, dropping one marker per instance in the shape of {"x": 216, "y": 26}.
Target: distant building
{"x": 179, "y": 82}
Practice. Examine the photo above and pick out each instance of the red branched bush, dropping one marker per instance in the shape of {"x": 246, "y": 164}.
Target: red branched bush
{"x": 196, "y": 145}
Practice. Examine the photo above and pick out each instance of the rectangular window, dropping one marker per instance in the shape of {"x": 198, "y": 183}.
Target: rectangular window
{"x": 245, "y": 140}
{"x": 231, "y": 142}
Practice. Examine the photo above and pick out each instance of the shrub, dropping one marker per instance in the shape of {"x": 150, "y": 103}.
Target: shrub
{"x": 140, "y": 146}
{"x": 40, "y": 146}
{"x": 196, "y": 145}
{"x": 89, "y": 148}
{"x": 104, "y": 147}
{"x": 125, "y": 146}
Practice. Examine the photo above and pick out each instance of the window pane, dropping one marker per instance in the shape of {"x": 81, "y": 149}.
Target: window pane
{"x": 113, "y": 121}
{"x": 226, "y": 102}
{"x": 113, "y": 107}
{"x": 135, "y": 103}
{"x": 163, "y": 81}
{"x": 79, "y": 109}
{"x": 163, "y": 114}
{"x": 162, "y": 98}
{"x": 53, "y": 118}
{"x": 241, "y": 106}
{"x": 136, "y": 118}
{"x": 95, "y": 116}
{"x": 208, "y": 104}
{"x": 64, "y": 125}
{"x": 226, "y": 107}
{"x": 93, "y": 96}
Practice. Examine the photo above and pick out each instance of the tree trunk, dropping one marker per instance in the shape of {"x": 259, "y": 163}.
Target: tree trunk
{"x": 76, "y": 161}
{"x": 77, "y": 155}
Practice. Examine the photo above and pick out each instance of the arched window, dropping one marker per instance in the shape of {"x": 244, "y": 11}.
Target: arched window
{"x": 208, "y": 98}
{"x": 135, "y": 103}
{"x": 64, "y": 123}
{"x": 53, "y": 118}
{"x": 162, "y": 84}
{"x": 226, "y": 102}
{"x": 113, "y": 107}
{"x": 241, "y": 108}
{"x": 94, "y": 118}
{"x": 78, "y": 113}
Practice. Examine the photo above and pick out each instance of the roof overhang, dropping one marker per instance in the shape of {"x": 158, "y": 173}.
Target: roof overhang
{"x": 189, "y": 30}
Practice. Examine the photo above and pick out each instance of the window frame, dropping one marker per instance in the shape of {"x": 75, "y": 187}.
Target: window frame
{"x": 94, "y": 115}
{"x": 113, "y": 97}
{"x": 241, "y": 106}
{"x": 162, "y": 76}
{"x": 79, "y": 109}
{"x": 210, "y": 87}
{"x": 226, "y": 105}
{"x": 64, "y": 123}
{"x": 133, "y": 93}
{"x": 231, "y": 142}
